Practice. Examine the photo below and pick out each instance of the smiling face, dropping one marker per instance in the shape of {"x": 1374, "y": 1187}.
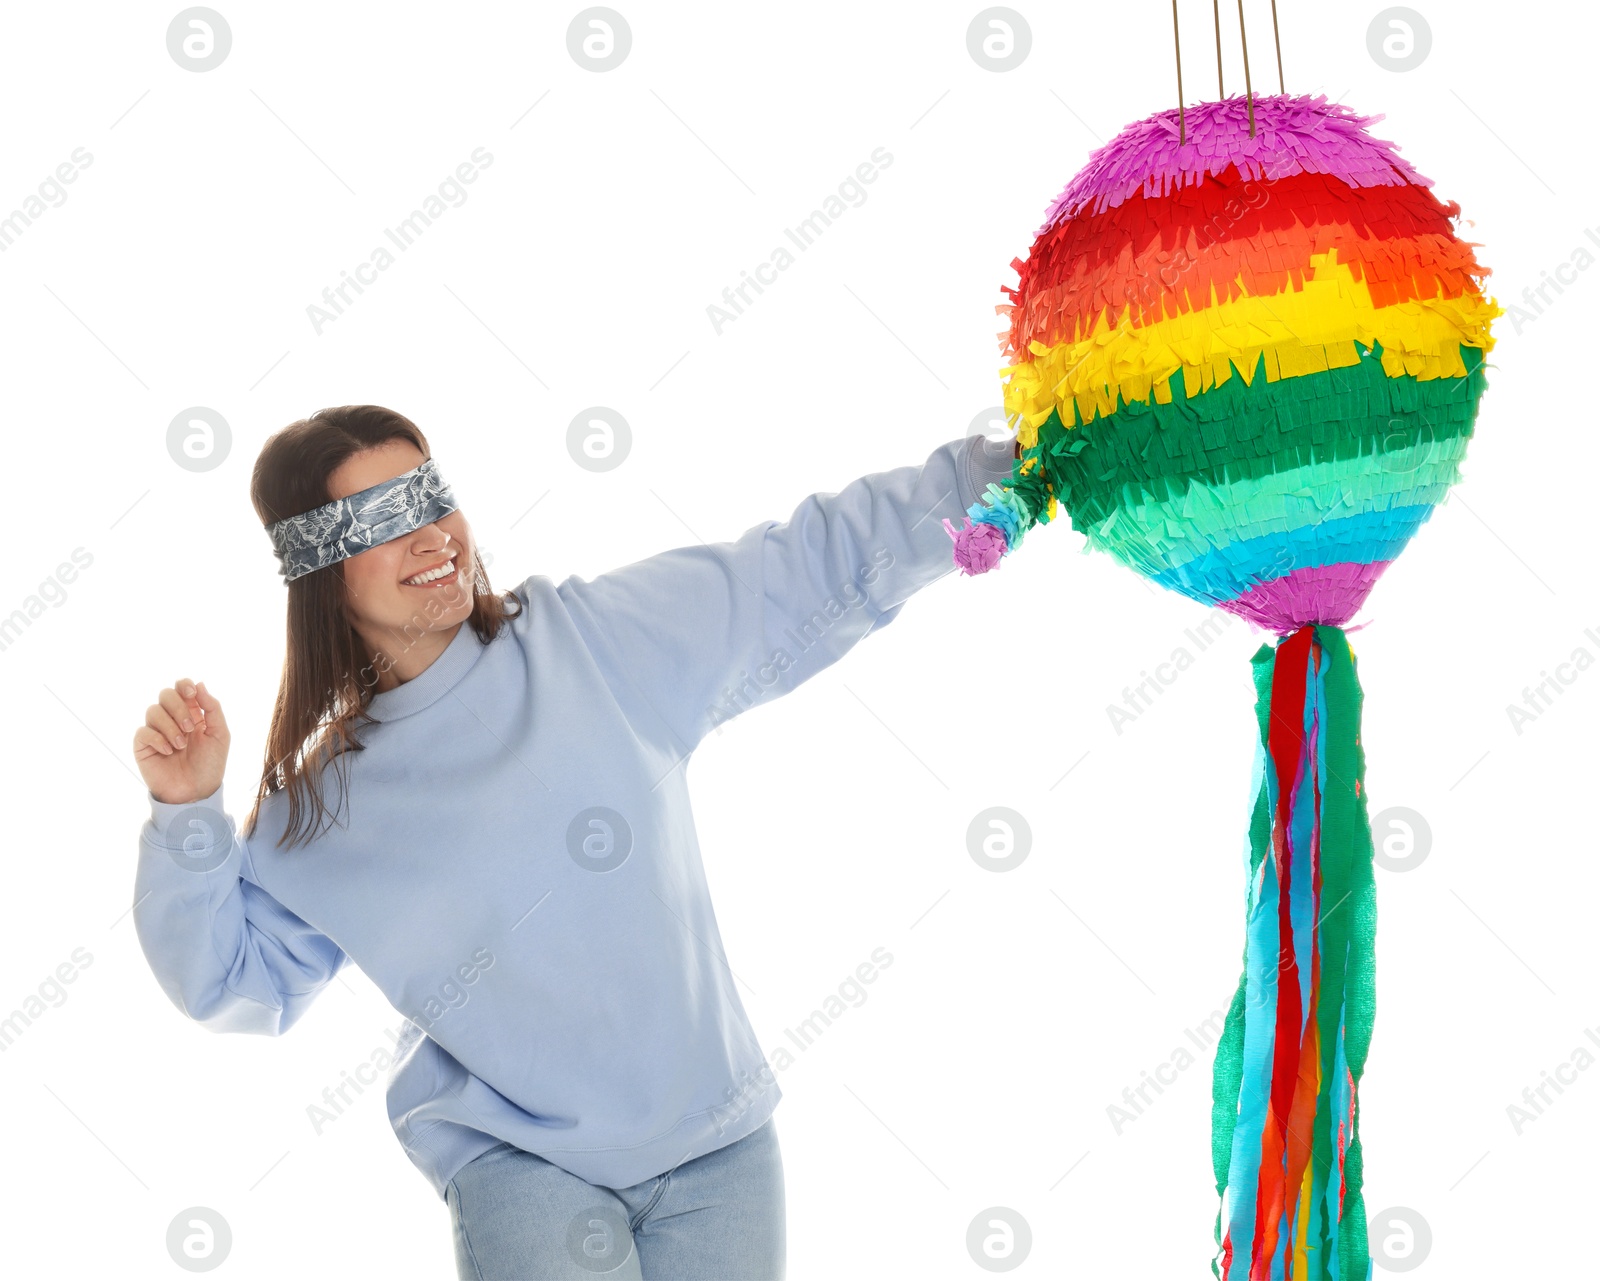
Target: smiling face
{"x": 409, "y": 624}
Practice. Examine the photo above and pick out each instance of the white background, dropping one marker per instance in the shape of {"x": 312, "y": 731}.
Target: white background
{"x": 177, "y": 273}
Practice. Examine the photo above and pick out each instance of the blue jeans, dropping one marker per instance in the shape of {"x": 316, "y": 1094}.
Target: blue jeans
{"x": 719, "y": 1217}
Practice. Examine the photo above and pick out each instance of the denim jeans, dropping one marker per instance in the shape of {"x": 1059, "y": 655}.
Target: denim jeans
{"x": 719, "y": 1217}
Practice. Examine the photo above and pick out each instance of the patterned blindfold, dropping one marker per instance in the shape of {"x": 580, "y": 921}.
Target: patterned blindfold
{"x": 349, "y": 526}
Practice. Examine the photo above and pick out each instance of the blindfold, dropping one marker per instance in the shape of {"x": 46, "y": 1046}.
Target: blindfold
{"x": 347, "y": 527}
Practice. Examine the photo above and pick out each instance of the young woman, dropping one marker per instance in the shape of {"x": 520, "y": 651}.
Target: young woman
{"x": 509, "y": 852}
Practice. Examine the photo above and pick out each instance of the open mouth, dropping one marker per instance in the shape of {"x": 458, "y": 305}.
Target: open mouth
{"x": 443, "y": 576}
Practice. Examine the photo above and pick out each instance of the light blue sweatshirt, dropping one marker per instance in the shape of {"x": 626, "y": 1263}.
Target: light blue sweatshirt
{"x": 515, "y": 863}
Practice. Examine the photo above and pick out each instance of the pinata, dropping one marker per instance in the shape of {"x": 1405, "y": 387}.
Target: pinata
{"x": 1247, "y": 353}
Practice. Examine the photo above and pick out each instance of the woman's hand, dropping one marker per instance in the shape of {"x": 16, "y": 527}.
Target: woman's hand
{"x": 183, "y": 744}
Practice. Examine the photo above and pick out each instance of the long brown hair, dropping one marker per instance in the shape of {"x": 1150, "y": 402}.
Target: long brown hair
{"x": 329, "y": 677}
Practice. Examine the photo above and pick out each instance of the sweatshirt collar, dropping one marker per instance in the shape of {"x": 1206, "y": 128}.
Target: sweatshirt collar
{"x": 433, "y": 682}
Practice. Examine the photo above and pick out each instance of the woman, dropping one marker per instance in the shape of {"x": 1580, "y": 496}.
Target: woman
{"x": 509, "y": 852}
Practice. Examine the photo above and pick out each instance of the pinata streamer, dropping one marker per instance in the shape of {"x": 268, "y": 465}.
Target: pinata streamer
{"x": 1248, "y": 364}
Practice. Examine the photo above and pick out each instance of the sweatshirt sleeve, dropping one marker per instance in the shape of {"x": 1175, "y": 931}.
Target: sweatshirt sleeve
{"x": 225, "y": 952}
{"x": 693, "y": 636}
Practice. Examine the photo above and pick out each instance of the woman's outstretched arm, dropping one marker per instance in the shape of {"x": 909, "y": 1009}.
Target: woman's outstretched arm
{"x": 691, "y": 637}
{"x": 225, "y": 952}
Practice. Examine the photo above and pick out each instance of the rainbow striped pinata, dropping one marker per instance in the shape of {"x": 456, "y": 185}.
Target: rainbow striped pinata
{"x": 1248, "y": 366}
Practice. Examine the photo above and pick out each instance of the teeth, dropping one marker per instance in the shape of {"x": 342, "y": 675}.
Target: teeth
{"x": 430, "y": 575}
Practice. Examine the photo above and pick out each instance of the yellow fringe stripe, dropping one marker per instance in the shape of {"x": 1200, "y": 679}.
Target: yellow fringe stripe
{"x": 1299, "y": 331}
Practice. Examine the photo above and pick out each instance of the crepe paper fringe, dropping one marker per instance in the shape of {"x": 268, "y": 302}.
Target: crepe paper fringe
{"x": 1225, "y": 573}
{"x": 979, "y": 545}
{"x": 1155, "y": 452}
{"x": 1286, "y": 1152}
{"x": 1292, "y": 496}
{"x": 1315, "y": 593}
{"x": 1148, "y": 260}
{"x": 1132, "y": 293}
{"x": 994, "y": 526}
{"x": 1218, "y": 496}
{"x": 1293, "y": 134}
{"x": 1245, "y": 518}
{"x": 1178, "y": 530}
{"x": 1320, "y": 326}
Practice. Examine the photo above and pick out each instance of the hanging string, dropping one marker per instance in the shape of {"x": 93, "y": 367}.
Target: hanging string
{"x": 1275, "y": 45}
{"x": 1216, "y": 25}
{"x": 1178, "y": 51}
{"x": 1245, "y": 45}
